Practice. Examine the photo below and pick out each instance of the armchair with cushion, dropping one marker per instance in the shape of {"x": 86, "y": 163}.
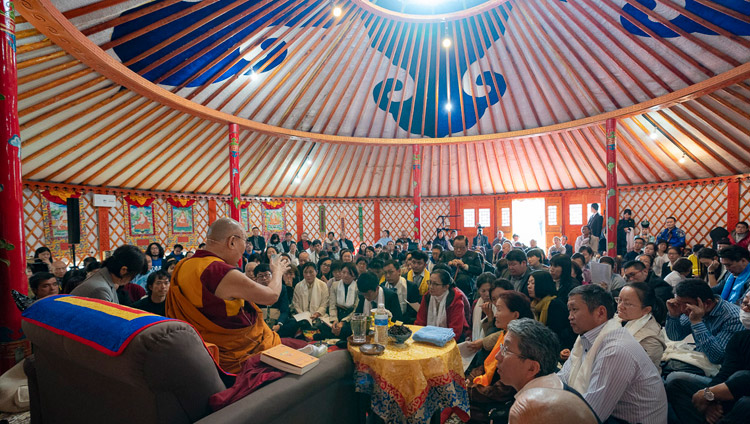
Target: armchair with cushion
{"x": 165, "y": 375}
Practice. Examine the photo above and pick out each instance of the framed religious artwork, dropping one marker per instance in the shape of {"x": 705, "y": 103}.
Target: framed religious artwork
{"x": 273, "y": 217}
{"x": 141, "y": 220}
{"x": 182, "y": 219}
{"x": 58, "y": 220}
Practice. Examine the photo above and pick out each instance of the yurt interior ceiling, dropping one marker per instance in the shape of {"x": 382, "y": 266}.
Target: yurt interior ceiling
{"x": 330, "y": 96}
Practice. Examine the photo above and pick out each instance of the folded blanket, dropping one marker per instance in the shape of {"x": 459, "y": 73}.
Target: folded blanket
{"x": 254, "y": 374}
{"x": 436, "y": 335}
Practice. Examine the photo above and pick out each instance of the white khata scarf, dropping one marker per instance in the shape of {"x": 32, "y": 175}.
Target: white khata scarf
{"x": 476, "y": 321}
{"x": 436, "y": 314}
{"x": 367, "y": 307}
{"x": 635, "y": 325}
{"x": 345, "y": 299}
{"x": 580, "y": 372}
{"x": 311, "y": 296}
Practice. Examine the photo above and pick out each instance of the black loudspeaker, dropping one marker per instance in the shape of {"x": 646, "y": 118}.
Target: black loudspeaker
{"x": 74, "y": 221}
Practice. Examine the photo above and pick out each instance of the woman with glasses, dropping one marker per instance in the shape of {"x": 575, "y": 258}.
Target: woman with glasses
{"x": 641, "y": 312}
{"x": 486, "y": 392}
{"x": 443, "y": 306}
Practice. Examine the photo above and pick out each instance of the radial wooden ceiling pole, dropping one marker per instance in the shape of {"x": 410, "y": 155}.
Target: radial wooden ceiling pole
{"x": 234, "y": 171}
{"x": 611, "y": 197}
{"x": 13, "y": 346}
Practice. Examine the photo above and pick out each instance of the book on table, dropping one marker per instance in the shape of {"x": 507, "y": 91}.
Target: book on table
{"x": 307, "y": 316}
{"x": 287, "y": 359}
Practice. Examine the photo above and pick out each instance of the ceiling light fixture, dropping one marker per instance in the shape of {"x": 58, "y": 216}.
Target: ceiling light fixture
{"x": 682, "y": 159}
{"x": 308, "y": 162}
{"x": 654, "y": 135}
{"x": 446, "y": 40}
{"x": 448, "y": 107}
{"x": 297, "y": 180}
{"x": 254, "y": 76}
{"x": 336, "y": 10}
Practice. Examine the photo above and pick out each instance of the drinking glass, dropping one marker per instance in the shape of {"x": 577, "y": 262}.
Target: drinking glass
{"x": 359, "y": 328}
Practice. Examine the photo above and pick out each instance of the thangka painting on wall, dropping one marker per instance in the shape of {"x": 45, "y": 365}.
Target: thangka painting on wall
{"x": 58, "y": 211}
{"x": 182, "y": 215}
{"x": 273, "y": 217}
{"x": 140, "y": 215}
{"x": 245, "y": 215}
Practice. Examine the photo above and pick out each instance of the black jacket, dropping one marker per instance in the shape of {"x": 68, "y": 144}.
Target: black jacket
{"x": 391, "y": 303}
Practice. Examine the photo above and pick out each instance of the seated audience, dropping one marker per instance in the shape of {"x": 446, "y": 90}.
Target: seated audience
{"x": 42, "y": 260}
{"x": 580, "y": 261}
{"x": 586, "y": 239}
{"x": 482, "y": 305}
{"x": 693, "y": 258}
{"x": 58, "y": 269}
{"x": 372, "y": 294}
{"x": 157, "y": 287}
{"x": 740, "y": 236}
{"x": 712, "y": 271}
{"x": 361, "y": 264}
{"x": 548, "y": 309}
{"x": 710, "y": 319}
{"x": 616, "y": 282}
{"x": 277, "y": 316}
{"x": 43, "y": 284}
{"x": 176, "y": 254}
{"x": 557, "y": 247}
{"x": 535, "y": 259}
{"x": 486, "y": 391}
{"x": 518, "y": 269}
{"x": 465, "y": 265}
{"x": 418, "y": 274}
{"x": 636, "y": 272}
{"x": 641, "y": 312}
{"x": 211, "y": 294}
{"x": 638, "y": 245}
{"x": 395, "y": 282}
{"x": 673, "y": 254}
{"x": 608, "y": 366}
{"x": 155, "y": 255}
{"x": 543, "y": 406}
{"x": 724, "y": 398}
{"x": 342, "y": 299}
{"x": 290, "y": 280}
{"x": 681, "y": 270}
{"x": 125, "y": 263}
{"x": 310, "y": 294}
{"x": 324, "y": 270}
{"x": 671, "y": 234}
{"x": 560, "y": 268}
{"x": 442, "y": 306}
{"x": 73, "y": 279}
{"x": 737, "y": 262}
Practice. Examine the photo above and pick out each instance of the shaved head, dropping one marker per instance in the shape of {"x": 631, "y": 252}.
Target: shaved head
{"x": 543, "y": 405}
{"x": 222, "y": 229}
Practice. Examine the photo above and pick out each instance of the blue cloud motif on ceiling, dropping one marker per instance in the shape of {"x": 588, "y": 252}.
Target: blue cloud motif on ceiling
{"x": 722, "y": 20}
{"x": 133, "y": 48}
{"x": 450, "y": 88}
{"x": 435, "y": 7}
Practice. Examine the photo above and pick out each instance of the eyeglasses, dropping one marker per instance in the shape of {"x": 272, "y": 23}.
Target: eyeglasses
{"x": 505, "y": 352}
{"x": 619, "y": 301}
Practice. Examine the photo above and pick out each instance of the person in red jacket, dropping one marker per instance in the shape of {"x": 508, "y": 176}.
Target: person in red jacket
{"x": 740, "y": 236}
{"x": 442, "y": 305}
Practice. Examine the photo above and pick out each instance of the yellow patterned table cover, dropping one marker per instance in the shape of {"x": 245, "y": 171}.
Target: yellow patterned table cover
{"x": 409, "y": 384}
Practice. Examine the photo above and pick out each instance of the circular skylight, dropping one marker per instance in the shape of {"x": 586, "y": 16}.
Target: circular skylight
{"x": 426, "y": 7}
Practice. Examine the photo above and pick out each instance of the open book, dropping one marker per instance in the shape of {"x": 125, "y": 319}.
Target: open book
{"x": 307, "y": 316}
{"x": 287, "y": 359}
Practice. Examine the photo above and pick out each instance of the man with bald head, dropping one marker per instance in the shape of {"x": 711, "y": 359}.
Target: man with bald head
{"x": 211, "y": 293}
{"x": 544, "y": 405}
{"x": 58, "y": 269}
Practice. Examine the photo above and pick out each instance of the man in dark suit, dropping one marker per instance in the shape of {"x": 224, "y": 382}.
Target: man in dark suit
{"x": 481, "y": 241}
{"x": 369, "y": 293}
{"x": 596, "y": 221}
{"x": 465, "y": 265}
{"x": 345, "y": 243}
{"x": 257, "y": 241}
{"x": 286, "y": 244}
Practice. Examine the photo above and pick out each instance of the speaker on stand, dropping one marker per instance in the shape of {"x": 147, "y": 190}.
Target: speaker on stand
{"x": 74, "y": 226}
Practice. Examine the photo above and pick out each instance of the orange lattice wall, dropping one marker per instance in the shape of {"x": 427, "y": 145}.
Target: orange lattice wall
{"x": 745, "y": 200}
{"x": 699, "y": 206}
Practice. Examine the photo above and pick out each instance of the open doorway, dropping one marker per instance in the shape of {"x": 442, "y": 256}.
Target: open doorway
{"x": 528, "y": 221}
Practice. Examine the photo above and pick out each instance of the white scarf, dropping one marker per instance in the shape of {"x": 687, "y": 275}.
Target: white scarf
{"x": 580, "y": 371}
{"x": 311, "y": 296}
{"x": 476, "y": 318}
{"x": 635, "y": 325}
{"x": 437, "y": 318}
{"x": 345, "y": 299}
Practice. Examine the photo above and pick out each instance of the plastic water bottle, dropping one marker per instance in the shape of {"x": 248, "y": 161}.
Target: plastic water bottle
{"x": 381, "y": 325}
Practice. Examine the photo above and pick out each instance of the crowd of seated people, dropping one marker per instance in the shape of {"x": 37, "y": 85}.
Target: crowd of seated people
{"x": 538, "y": 319}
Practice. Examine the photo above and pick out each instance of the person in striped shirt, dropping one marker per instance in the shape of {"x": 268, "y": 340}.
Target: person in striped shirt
{"x": 608, "y": 366}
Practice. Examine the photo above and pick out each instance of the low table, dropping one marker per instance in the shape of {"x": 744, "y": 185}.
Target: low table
{"x": 410, "y": 383}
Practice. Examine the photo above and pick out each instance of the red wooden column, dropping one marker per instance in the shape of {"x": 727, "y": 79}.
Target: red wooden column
{"x": 376, "y": 223}
{"x": 13, "y": 347}
{"x": 234, "y": 172}
{"x": 733, "y": 204}
{"x": 611, "y": 198}
{"x": 416, "y": 181}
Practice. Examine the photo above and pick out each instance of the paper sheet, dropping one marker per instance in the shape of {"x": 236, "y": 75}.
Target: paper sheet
{"x": 600, "y": 273}
{"x": 467, "y": 353}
